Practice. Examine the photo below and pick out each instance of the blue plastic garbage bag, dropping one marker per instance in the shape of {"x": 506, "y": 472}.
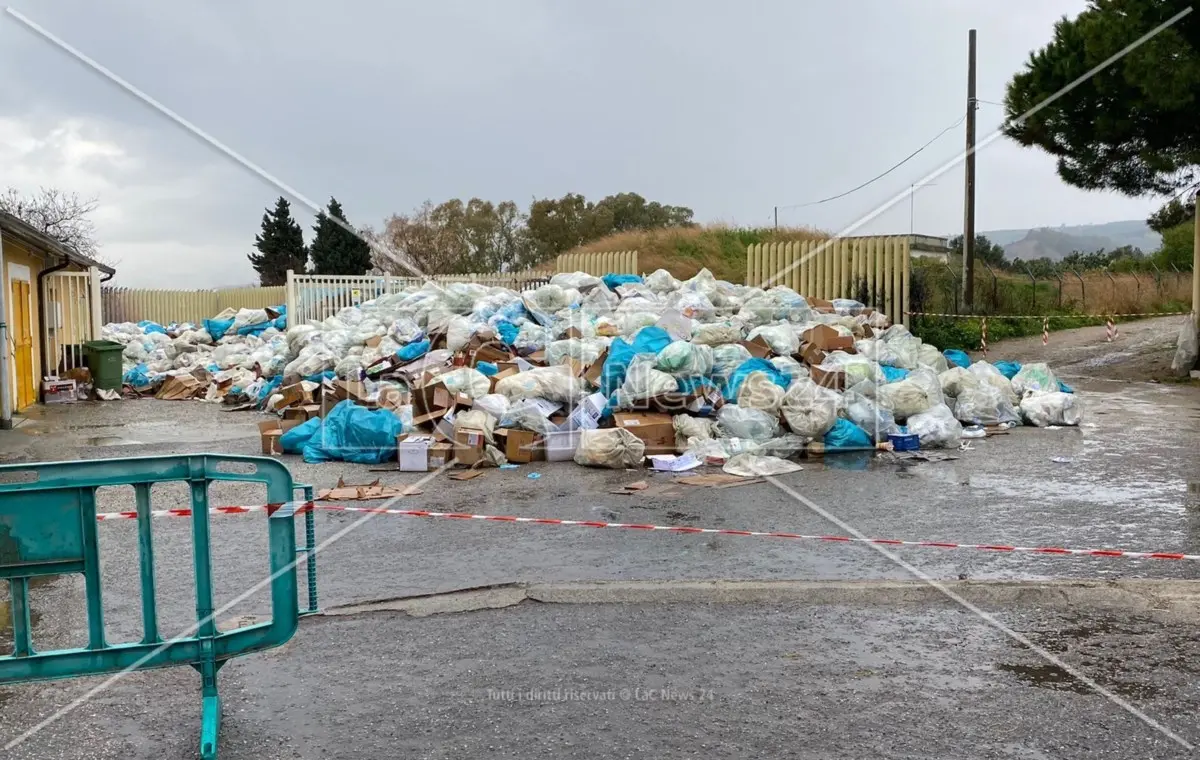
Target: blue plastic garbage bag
{"x": 893, "y": 374}
{"x": 414, "y": 350}
{"x": 508, "y": 332}
{"x": 321, "y": 377}
{"x": 353, "y": 433}
{"x": 487, "y": 369}
{"x": 1064, "y": 387}
{"x": 268, "y": 388}
{"x": 138, "y": 377}
{"x": 648, "y": 340}
{"x": 744, "y": 369}
{"x": 294, "y": 440}
{"x": 217, "y": 327}
{"x": 697, "y": 384}
{"x": 957, "y": 358}
{"x": 846, "y": 436}
{"x": 151, "y": 327}
{"x": 613, "y": 281}
{"x": 257, "y": 329}
{"x": 1008, "y": 369}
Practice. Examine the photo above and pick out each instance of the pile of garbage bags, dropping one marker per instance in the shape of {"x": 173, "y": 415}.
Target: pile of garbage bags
{"x": 701, "y": 366}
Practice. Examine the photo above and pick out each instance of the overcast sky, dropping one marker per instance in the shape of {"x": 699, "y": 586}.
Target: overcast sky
{"x": 730, "y": 108}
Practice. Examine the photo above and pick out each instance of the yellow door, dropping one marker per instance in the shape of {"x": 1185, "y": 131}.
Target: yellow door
{"x": 22, "y": 340}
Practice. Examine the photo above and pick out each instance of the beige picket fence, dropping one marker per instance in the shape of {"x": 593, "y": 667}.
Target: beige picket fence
{"x": 167, "y": 306}
{"x": 878, "y": 268}
{"x": 598, "y": 263}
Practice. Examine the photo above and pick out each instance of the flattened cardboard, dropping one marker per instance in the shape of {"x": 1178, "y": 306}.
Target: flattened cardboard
{"x": 812, "y": 355}
{"x": 491, "y": 353}
{"x": 293, "y": 395}
{"x": 302, "y": 413}
{"x": 827, "y": 338}
{"x": 179, "y": 387}
{"x": 758, "y": 347}
{"x": 593, "y": 372}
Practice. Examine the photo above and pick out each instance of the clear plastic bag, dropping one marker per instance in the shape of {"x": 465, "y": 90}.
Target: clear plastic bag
{"x": 688, "y": 427}
{"x": 692, "y": 304}
{"x": 956, "y": 380}
{"x": 936, "y": 428}
{"x": 789, "y": 366}
{"x": 985, "y": 373}
{"x": 495, "y": 404}
{"x": 1036, "y": 377}
{"x": 465, "y": 380}
{"x": 1053, "y": 408}
{"x": 550, "y": 383}
{"x": 643, "y": 381}
{"x": 684, "y": 359}
{"x": 928, "y": 356}
{"x": 808, "y": 409}
{"x": 877, "y": 421}
{"x": 782, "y": 339}
{"x": 759, "y": 391}
{"x": 754, "y": 424}
{"x": 718, "y": 333}
{"x": 615, "y": 448}
{"x": 757, "y": 465}
{"x": 985, "y": 405}
{"x": 904, "y": 398}
{"x": 661, "y": 281}
{"x": 728, "y": 358}
{"x": 583, "y": 350}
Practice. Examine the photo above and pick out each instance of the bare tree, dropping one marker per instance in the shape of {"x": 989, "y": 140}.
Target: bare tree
{"x": 63, "y": 216}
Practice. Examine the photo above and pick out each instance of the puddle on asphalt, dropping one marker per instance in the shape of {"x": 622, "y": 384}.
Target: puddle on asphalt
{"x": 110, "y": 440}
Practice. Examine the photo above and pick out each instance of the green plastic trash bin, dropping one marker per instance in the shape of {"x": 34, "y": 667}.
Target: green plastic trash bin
{"x": 104, "y": 362}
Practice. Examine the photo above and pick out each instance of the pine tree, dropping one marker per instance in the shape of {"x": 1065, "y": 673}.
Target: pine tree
{"x": 280, "y": 246}
{"x": 335, "y": 249}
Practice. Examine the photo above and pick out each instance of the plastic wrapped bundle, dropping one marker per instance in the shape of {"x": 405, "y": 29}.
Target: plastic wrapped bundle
{"x": 759, "y": 391}
{"x": 936, "y": 428}
{"x": 689, "y": 428}
{"x": 985, "y": 405}
{"x": 1036, "y": 377}
{"x": 754, "y": 424}
{"x": 684, "y": 359}
{"x": 1054, "y": 408}
{"x": 615, "y": 448}
{"x": 586, "y": 351}
{"x": 550, "y": 383}
{"x": 904, "y": 398}
{"x": 726, "y": 359}
{"x": 642, "y": 381}
{"x": 928, "y": 356}
{"x": 808, "y": 409}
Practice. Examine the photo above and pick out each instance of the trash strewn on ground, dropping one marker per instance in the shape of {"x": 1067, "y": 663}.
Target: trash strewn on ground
{"x": 607, "y": 372}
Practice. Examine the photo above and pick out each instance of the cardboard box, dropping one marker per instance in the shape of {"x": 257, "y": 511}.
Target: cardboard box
{"x": 430, "y": 403}
{"x": 349, "y": 390}
{"x": 294, "y": 395}
{"x": 302, "y": 413}
{"x": 524, "y": 446}
{"x": 373, "y": 341}
{"x": 490, "y": 353}
{"x": 586, "y": 414}
{"x": 654, "y": 430}
{"x": 758, "y": 347}
{"x": 573, "y": 332}
{"x": 821, "y": 305}
{"x": 270, "y": 431}
{"x": 811, "y": 355}
{"x": 496, "y": 378}
{"x": 55, "y": 391}
{"x": 468, "y": 446}
{"x": 827, "y": 338}
{"x": 441, "y": 454}
{"x": 833, "y": 379}
{"x": 593, "y": 373}
{"x": 537, "y": 358}
{"x": 412, "y": 451}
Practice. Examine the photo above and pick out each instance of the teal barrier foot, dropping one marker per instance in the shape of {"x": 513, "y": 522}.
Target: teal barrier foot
{"x": 210, "y": 726}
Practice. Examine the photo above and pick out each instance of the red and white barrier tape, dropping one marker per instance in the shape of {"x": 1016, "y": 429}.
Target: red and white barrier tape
{"x": 306, "y": 506}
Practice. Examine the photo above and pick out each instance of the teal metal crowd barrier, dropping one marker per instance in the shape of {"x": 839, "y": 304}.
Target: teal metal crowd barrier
{"x": 48, "y": 527}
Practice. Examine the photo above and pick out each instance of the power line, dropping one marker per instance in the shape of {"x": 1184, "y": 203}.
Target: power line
{"x": 908, "y": 158}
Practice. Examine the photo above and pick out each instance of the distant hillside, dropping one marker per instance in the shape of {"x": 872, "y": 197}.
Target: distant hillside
{"x": 1056, "y": 243}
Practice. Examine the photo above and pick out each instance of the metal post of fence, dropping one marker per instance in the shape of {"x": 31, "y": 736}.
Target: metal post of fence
{"x": 1139, "y": 286}
{"x": 1157, "y": 278}
{"x": 954, "y": 280}
{"x": 1082, "y": 290}
{"x": 995, "y": 305}
{"x": 1113, "y": 282}
{"x": 1033, "y": 281}
{"x": 1059, "y": 277}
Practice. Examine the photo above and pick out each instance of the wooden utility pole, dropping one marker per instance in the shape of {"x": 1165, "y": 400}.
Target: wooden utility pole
{"x": 776, "y": 217}
{"x": 968, "y": 271}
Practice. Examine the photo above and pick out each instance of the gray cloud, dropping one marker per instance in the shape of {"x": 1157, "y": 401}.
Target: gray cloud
{"x": 730, "y": 108}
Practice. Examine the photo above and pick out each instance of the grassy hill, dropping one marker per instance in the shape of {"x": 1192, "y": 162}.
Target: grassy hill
{"x": 1056, "y": 243}
{"x": 685, "y": 251}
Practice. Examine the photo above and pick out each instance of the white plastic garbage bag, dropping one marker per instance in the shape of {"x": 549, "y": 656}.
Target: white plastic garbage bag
{"x": 789, "y": 366}
{"x": 755, "y": 424}
{"x": 495, "y": 404}
{"x": 688, "y": 427}
{"x": 550, "y": 383}
{"x": 878, "y": 350}
{"x": 583, "y": 350}
{"x": 691, "y": 304}
{"x": 1187, "y": 348}
{"x": 245, "y": 318}
{"x": 907, "y": 350}
{"x": 986, "y": 373}
{"x": 684, "y": 359}
{"x": 1053, "y": 408}
{"x": 643, "y": 381}
{"x": 403, "y": 330}
{"x": 936, "y": 428}
{"x": 661, "y": 281}
{"x": 528, "y": 414}
{"x": 904, "y": 398}
{"x": 615, "y": 448}
{"x": 755, "y": 465}
{"x": 782, "y": 339}
{"x": 718, "y": 333}
{"x": 470, "y": 382}
{"x": 580, "y": 281}
{"x": 956, "y": 380}
{"x": 727, "y": 358}
{"x": 1036, "y": 377}
{"x": 877, "y": 421}
{"x": 985, "y": 405}
{"x": 930, "y": 357}
{"x": 759, "y": 391}
{"x": 476, "y": 419}
{"x": 809, "y": 409}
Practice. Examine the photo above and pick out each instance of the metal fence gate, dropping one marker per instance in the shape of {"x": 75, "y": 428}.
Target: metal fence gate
{"x": 71, "y": 306}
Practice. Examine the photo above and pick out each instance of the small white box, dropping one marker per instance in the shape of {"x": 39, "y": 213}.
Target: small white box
{"x": 55, "y": 391}
{"x": 561, "y": 445}
{"x": 586, "y": 416}
{"x": 413, "y": 452}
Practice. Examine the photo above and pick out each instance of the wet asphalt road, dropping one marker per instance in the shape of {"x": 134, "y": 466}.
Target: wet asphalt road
{"x": 1124, "y": 486}
{"x": 660, "y": 680}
